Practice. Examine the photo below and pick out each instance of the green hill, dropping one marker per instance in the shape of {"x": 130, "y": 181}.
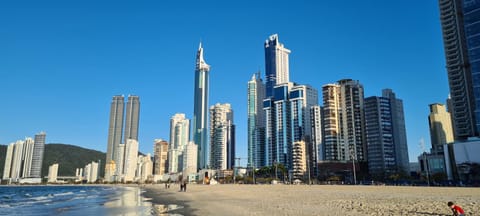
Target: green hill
{"x": 68, "y": 157}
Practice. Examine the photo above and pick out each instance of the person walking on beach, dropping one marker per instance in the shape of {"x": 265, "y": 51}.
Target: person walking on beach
{"x": 184, "y": 183}
{"x": 180, "y": 182}
{"x": 457, "y": 210}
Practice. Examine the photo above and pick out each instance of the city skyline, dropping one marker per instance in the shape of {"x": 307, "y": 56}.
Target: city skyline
{"x": 62, "y": 62}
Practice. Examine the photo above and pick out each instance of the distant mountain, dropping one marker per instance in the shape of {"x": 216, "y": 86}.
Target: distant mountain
{"x": 68, "y": 157}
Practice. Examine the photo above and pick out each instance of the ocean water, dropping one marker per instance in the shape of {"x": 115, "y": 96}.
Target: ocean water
{"x": 73, "y": 200}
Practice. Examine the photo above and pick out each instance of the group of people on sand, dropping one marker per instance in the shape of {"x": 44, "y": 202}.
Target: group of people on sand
{"x": 181, "y": 181}
{"x": 183, "y": 184}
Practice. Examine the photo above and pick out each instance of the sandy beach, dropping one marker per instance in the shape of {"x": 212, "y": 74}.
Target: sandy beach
{"x": 313, "y": 200}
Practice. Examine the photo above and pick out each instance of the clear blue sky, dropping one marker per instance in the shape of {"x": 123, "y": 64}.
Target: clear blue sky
{"x": 62, "y": 61}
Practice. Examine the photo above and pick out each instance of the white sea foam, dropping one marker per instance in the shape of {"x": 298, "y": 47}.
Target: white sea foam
{"x": 63, "y": 194}
{"x": 41, "y": 198}
{"x": 78, "y": 198}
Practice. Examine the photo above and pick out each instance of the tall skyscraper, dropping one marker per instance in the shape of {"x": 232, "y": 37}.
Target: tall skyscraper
{"x": 441, "y": 132}
{"x": 288, "y": 120}
{"x": 115, "y": 127}
{"x": 380, "y": 137}
{"x": 160, "y": 157}
{"x": 222, "y": 137}
{"x": 385, "y": 133}
{"x": 399, "y": 131}
{"x": 256, "y": 122}
{"x": 301, "y": 100}
{"x": 200, "y": 110}
{"x": 276, "y": 64}
{"x": 132, "y": 118}
{"x": 331, "y": 114}
{"x": 179, "y": 137}
{"x": 38, "y": 152}
{"x": 278, "y": 136}
{"x": 116, "y": 149}
{"x": 344, "y": 121}
{"x": 471, "y": 19}
{"x": 460, "y": 39}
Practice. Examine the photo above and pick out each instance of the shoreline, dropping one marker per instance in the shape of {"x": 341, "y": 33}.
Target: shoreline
{"x": 167, "y": 200}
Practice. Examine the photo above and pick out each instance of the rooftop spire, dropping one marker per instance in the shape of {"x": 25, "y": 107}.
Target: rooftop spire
{"x": 201, "y": 64}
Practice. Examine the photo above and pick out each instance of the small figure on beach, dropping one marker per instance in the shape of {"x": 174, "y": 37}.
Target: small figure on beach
{"x": 180, "y": 181}
{"x": 167, "y": 183}
{"x": 184, "y": 185}
{"x": 457, "y": 210}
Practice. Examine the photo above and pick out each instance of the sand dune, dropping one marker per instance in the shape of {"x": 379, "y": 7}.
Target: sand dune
{"x": 314, "y": 200}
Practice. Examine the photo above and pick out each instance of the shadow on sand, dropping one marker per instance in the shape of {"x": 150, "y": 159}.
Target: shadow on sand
{"x": 427, "y": 213}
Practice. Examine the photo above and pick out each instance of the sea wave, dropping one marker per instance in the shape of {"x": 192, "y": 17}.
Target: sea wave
{"x": 40, "y": 198}
{"x": 63, "y": 194}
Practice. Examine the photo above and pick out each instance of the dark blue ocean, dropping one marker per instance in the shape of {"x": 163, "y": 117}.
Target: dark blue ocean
{"x": 73, "y": 200}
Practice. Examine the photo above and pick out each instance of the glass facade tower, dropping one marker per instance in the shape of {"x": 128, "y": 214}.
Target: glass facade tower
{"x": 200, "y": 110}
{"x": 471, "y": 19}
{"x": 256, "y": 122}
{"x": 276, "y": 64}
{"x": 460, "y": 27}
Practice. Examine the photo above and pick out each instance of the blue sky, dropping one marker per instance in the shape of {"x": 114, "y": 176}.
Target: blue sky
{"x": 62, "y": 61}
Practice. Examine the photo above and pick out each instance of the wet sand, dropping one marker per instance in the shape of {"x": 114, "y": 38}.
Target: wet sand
{"x": 314, "y": 200}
